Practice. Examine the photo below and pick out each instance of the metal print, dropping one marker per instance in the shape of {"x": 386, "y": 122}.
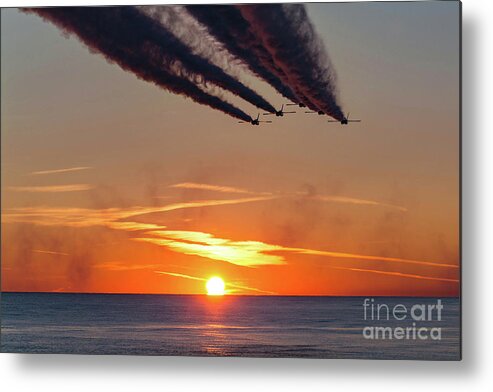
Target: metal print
{"x": 264, "y": 180}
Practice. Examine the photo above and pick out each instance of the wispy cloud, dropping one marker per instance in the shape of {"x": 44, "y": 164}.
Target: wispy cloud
{"x": 209, "y": 187}
{"x": 234, "y": 285}
{"x": 322, "y": 198}
{"x": 254, "y": 253}
{"x": 399, "y": 274}
{"x": 120, "y": 266}
{"x": 52, "y": 188}
{"x": 134, "y": 226}
{"x": 86, "y": 217}
{"x": 242, "y": 287}
{"x": 242, "y": 253}
{"x": 50, "y": 252}
{"x": 352, "y": 200}
{"x": 177, "y": 275}
{"x": 55, "y": 171}
{"x": 342, "y": 255}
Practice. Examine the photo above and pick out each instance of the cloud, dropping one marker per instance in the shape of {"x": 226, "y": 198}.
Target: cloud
{"x": 52, "y": 188}
{"x": 399, "y": 274}
{"x": 254, "y": 253}
{"x": 50, "y": 252}
{"x": 177, "y": 275}
{"x": 202, "y": 244}
{"x": 190, "y": 236}
{"x": 116, "y": 266}
{"x": 133, "y": 226}
{"x": 351, "y": 200}
{"x": 56, "y": 171}
{"x": 208, "y": 187}
{"x": 342, "y": 255}
{"x": 86, "y": 217}
{"x": 242, "y": 253}
{"x": 234, "y": 285}
{"x": 322, "y": 198}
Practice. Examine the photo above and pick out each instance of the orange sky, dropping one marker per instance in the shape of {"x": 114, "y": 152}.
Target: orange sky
{"x": 112, "y": 185}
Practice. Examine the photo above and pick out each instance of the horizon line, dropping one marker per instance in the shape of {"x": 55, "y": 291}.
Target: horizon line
{"x": 232, "y": 295}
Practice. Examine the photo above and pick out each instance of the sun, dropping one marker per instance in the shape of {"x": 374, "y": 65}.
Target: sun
{"x": 215, "y": 286}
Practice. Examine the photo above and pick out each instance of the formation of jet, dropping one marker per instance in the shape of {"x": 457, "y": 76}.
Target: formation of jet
{"x": 281, "y": 112}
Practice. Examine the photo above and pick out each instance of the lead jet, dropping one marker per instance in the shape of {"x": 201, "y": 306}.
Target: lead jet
{"x": 278, "y": 113}
{"x": 255, "y": 121}
{"x": 344, "y": 121}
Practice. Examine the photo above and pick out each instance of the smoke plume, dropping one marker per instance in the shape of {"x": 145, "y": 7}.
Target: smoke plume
{"x": 227, "y": 25}
{"x": 138, "y": 44}
{"x": 287, "y": 33}
{"x": 193, "y": 34}
{"x": 195, "y": 50}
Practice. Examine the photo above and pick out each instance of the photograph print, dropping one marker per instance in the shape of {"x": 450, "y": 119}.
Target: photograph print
{"x": 261, "y": 180}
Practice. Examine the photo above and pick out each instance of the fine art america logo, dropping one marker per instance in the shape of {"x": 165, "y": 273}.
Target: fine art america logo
{"x": 402, "y": 322}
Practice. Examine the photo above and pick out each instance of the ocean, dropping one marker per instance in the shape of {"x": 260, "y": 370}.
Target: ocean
{"x": 242, "y": 326}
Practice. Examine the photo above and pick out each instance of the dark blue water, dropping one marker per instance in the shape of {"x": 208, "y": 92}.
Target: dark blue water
{"x": 311, "y": 327}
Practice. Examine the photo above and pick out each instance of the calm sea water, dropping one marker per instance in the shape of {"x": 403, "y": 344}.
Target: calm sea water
{"x": 311, "y": 327}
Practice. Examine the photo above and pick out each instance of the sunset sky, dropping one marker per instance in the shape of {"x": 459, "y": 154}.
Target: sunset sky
{"x": 110, "y": 184}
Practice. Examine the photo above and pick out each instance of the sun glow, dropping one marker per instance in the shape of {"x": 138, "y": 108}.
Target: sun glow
{"x": 215, "y": 286}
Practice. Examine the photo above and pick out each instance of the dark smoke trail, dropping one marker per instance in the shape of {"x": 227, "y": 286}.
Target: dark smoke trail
{"x": 188, "y": 30}
{"x": 130, "y": 39}
{"x": 287, "y": 33}
{"x": 188, "y": 64}
{"x": 227, "y": 25}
